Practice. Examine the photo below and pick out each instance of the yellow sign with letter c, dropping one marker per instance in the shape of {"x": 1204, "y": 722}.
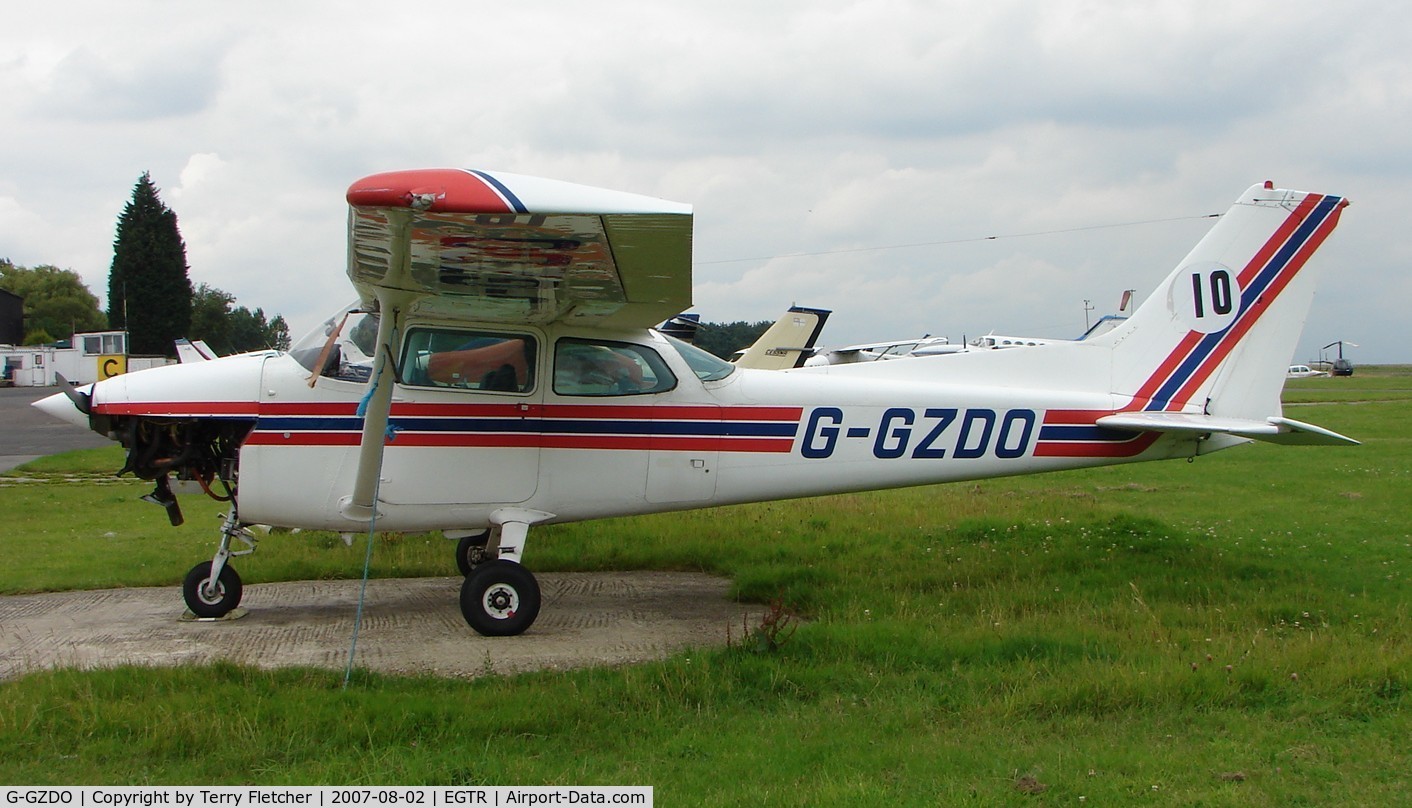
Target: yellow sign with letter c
{"x": 111, "y": 365}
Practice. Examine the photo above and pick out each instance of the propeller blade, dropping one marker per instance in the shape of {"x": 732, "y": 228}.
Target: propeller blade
{"x": 83, "y": 401}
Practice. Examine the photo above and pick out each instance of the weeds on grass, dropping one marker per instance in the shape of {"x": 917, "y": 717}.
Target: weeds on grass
{"x": 777, "y": 625}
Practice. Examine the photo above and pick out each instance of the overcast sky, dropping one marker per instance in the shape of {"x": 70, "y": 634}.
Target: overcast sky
{"x": 814, "y": 139}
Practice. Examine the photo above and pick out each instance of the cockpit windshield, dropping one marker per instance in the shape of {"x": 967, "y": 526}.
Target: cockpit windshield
{"x": 341, "y": 347}
{"x": 707, "y": 366}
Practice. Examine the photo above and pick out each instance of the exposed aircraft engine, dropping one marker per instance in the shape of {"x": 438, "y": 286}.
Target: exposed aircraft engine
{"x": 202, "y": 451}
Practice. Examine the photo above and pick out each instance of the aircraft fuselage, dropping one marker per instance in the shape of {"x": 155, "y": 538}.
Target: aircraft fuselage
{"x": 457, "y": 453}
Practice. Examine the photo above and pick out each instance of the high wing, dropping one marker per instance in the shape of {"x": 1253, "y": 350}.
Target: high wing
{"x": 501, "y": 247}
{"x": 475, "y": 245}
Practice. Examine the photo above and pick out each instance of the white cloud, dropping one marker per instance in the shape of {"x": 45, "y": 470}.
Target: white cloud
{"x": 792, "y": 128}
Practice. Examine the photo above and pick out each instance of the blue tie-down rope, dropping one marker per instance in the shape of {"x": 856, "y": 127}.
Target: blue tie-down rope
{"x": 363, "y": 589}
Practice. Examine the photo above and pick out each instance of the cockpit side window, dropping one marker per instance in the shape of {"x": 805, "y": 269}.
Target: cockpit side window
{"x": 598, "y": 368}
{"x": 489, "y": 361}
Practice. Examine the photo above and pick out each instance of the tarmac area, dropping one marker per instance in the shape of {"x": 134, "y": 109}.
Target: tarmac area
{"x": 409, "y": 626}
{"x": 26, "y": 433}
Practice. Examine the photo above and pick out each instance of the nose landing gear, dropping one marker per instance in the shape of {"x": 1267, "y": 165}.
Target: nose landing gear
{"x": 212, "y": 588}
{"x": 211, "y": 596}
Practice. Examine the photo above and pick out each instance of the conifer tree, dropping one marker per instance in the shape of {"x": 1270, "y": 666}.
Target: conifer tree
{"x": 149, "y": 293}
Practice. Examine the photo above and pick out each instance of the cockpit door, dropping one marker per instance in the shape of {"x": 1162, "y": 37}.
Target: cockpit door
{"x": 465, "y": 420}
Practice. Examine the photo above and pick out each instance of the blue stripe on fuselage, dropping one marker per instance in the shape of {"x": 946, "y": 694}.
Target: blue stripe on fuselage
{"x": 1083, "y": 433}
{"x": 538, "y": 425}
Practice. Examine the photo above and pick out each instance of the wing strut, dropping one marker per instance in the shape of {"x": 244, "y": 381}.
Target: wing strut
{"x": 395, "y": 294}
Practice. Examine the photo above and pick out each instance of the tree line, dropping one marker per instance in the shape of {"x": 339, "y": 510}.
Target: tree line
{"x": 724, "y": 339}
{"x": 149, "y": 292}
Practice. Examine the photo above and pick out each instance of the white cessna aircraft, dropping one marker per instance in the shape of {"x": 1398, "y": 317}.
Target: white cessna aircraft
{"x": 499, "y": 372}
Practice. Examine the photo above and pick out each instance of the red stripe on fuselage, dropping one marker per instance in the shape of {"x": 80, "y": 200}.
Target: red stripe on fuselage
{"x": 175, "y": 408}
{"x": 408, "y": 435}
{"x": 303, "y": 439}
{"x": 684, "y": 412}
{"x": 526, "y": 440}
{"x": 1128, "y": 448}
{"x": 1074, "y": 417}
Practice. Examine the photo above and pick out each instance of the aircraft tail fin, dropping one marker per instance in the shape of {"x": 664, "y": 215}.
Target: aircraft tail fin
{"x": 1216, "y": 336}
{"x": 788, "y": 342}
{"x": 682, "y": 326}
{"x": 189, "y": 351}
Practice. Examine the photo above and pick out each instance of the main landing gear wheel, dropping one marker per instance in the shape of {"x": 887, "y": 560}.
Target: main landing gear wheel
{"x": 471, "y": 552}
{"x": 207, "y": 598}
{"x": 500, "y": 599}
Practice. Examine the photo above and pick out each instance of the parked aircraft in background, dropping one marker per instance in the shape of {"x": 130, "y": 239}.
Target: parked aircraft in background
{"x": 1339, "y": 366}
{"x": 787, "y": 343}
{"x": 875, "y": 351}
{"x": 500, "y": 372}
{"x": 928, "y": 345}
{"x": 193, "y": 351}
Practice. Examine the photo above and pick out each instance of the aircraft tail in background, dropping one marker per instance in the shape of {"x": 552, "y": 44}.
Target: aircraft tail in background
{"x": 788, "y": 342}
{"x": 189, "y": 351}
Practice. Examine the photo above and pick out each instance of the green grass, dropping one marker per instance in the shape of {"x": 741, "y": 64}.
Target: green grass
{"x": 1376, "y": 383}
{"x": 1229, "y": 632}
{"x": 95, "y": 532}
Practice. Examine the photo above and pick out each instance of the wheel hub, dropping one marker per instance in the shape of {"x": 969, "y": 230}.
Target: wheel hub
{"x": 211, "y": 592}
{"x": 501, "y": 601}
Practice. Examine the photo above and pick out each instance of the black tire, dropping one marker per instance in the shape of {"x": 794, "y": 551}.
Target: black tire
{"x": 500, "y": 599}
{"x": 470, "y": 552}
{"x": 219, "y": 603}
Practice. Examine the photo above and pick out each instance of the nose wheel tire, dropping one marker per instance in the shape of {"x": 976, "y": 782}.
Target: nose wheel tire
{"x": 207, "y": 598}
{"x": 500, "y": 599}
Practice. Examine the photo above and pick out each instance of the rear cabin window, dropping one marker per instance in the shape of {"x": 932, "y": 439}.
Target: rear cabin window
{"x": 469, "y": 360}
{"x": 596, "y": 368}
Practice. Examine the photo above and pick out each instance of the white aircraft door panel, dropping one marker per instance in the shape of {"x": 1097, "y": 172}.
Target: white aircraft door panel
{"x": 462, "y": 451}
{"x": 682, "y": 462}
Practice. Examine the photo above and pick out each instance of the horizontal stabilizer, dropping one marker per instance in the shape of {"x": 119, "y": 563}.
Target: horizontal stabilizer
{"x": 1275, "y": 429}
